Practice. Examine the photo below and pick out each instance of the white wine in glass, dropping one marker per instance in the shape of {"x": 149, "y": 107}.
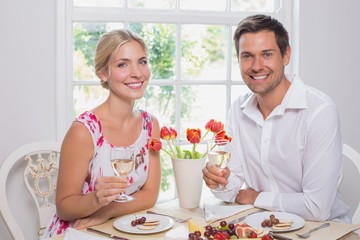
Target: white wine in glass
{"x": 122, "y": 161}
{"x": 219, "y": 157}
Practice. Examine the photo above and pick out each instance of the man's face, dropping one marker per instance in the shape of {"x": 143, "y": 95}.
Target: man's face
{"x": 261, "y": 64}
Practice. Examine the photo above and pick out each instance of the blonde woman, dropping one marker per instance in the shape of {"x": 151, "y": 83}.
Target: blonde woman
{"x": 87, "y": 186}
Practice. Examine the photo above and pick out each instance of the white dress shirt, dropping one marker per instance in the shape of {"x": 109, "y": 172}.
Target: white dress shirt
{"x": 293, "y": 157}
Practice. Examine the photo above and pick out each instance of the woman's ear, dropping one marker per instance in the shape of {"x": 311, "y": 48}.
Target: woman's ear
{"x": 102, "y": 75}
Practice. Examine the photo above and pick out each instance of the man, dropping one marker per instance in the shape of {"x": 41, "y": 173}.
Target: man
{"x": 286, "y": 149}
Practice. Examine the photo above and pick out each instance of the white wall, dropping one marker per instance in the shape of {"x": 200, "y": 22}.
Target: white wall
{"x": 329, "y": 57}
{"x": 328, "y": 43}
{"x": 27, "y": 92}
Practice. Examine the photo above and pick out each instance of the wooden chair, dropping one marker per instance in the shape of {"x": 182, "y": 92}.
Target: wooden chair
{"x": 349, "y": 183}
{"x": 40, "y": 161}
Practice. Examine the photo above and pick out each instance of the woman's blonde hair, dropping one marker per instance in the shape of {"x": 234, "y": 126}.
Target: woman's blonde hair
{"x": 108, "y": 47}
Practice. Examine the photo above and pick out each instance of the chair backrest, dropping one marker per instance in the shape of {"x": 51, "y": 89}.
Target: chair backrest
{"x": 349, "y": 185}
{"x": 40, "y": 161}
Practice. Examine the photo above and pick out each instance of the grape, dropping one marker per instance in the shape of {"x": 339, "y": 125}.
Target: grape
{"x": 231, "y": 226}
{"x": 213, "y": 232}
{"x": 138, "y": 221}
{"x": 223, "y": 224}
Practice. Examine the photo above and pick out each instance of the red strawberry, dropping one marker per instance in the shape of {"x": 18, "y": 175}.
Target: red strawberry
{"x": 219, "y": 236}
{"x": 266, "y": 237}
{"x": 252, "y": 234}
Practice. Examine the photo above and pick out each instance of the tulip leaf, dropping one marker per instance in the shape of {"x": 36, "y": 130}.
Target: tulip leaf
{"x": 187, "y": 154}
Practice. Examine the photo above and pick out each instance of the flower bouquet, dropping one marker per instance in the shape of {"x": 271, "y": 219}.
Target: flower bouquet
{"x": 194, "y": 137}
{"x": 187, "y": 172}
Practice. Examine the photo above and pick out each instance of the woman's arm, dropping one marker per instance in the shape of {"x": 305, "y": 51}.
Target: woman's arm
{"x": 76, "y": 153}
{"x": 144, "y": 199}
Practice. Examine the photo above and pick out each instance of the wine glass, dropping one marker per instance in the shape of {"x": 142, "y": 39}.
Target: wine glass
{"x": 219, "y": 157}
{"x": 122, "y": 161}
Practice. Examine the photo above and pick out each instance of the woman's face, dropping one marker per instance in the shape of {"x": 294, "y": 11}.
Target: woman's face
{"x": 130, "y": 72}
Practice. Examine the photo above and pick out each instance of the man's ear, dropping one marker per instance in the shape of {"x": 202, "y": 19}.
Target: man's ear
{"x": 287, "y": 56}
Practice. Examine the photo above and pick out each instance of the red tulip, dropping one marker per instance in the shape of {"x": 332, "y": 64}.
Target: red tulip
{"x": 193, "y": 135}
{"x": 165, "y": 133}
{"x": 173, "y": 133}
{"x": 155, "y": 144}
{"x": 222, "y": 136}
{"x": 214, "y": 126}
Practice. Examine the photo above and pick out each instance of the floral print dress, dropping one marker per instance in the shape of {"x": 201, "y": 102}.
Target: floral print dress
{"x": 100, "y": 164}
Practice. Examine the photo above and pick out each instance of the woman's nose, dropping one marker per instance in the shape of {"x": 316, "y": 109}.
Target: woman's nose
{"x": 136, "y": 71}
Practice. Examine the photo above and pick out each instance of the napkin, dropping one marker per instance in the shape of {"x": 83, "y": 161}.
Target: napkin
{"x": 73, "y": 234}
{"x": 219, "y": 211}
{"x": 178, "y": 233}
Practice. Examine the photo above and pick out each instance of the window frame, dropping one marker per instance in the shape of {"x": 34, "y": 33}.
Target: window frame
{"x": 67, "y": 14}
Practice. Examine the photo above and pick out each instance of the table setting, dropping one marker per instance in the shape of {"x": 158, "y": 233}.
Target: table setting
{"x": 210, "y": 212}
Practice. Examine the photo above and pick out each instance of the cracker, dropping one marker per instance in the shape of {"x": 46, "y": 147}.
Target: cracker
{"x": 151, "y": 223}
{"x": 289, "y": 221}
{"x": 142, "y": 227}
{"x": 281, "y": 227}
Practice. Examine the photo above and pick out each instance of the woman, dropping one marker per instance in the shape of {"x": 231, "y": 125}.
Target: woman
{"x": 87, "y": 186}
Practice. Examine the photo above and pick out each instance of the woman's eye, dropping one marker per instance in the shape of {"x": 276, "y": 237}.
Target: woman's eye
{"x": 144, "y": 62}
{"x": 121, "y": 65}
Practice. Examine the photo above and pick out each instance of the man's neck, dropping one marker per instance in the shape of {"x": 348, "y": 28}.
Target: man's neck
{"x": 267, "y": 102}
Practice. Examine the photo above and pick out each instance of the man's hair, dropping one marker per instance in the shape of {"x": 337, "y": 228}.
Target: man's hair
{"x": 259, "y": 22}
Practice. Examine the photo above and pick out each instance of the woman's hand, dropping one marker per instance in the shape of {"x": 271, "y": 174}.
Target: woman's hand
{"x": 108, "y": 189}
{"x": 93, "y": 220}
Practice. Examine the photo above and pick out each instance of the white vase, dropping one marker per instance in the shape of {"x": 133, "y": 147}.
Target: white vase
{"x": 189, "y": 180}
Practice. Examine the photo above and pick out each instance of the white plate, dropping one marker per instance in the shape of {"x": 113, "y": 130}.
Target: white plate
{"x": 255, "y": 220}
{"x": 124, "y": 223}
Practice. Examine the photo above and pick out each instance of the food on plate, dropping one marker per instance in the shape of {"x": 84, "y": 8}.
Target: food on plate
{"x": 227, "y": 231}
{"x": 151, "y": 223}
{"x": 144, "y": 227}
{"x": 276, "y": 224}
{"x": 142, "y": 224}
{"x": 138, "y": 221}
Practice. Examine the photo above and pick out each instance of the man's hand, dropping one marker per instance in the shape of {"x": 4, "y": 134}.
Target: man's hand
{"x": 247, "y": 196}
{"x": 213, "y": 177}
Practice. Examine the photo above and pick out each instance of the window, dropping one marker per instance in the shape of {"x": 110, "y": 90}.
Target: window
{"x": 195, "y": 74}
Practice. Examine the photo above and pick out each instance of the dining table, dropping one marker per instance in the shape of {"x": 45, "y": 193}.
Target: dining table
{"x": 336, "y": 230}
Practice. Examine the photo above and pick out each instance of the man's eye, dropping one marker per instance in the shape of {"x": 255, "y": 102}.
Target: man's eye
{"x": 267, "y": 55}
{"x": 246, "y": 57}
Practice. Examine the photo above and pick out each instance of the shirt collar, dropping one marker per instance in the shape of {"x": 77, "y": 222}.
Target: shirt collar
{"x": 295, "y": 98}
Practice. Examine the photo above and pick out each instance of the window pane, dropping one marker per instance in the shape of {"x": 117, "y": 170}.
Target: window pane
{"x": 203, "y": 52}
{"x": 152, "y": 4}
{"x": 238, "y": 90}
{"x": 160, "y": 101}
{"x": 97, "y": 3}
{"x": 235, "y": 69}
{"x": 88, "y": 97}
{"x": 203, "y": 5}
{"x": 253, "y": 5}
{"x": 200, "y": 103}
{"x": 161, "y": 41}
{"x": 86, "y": 36}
